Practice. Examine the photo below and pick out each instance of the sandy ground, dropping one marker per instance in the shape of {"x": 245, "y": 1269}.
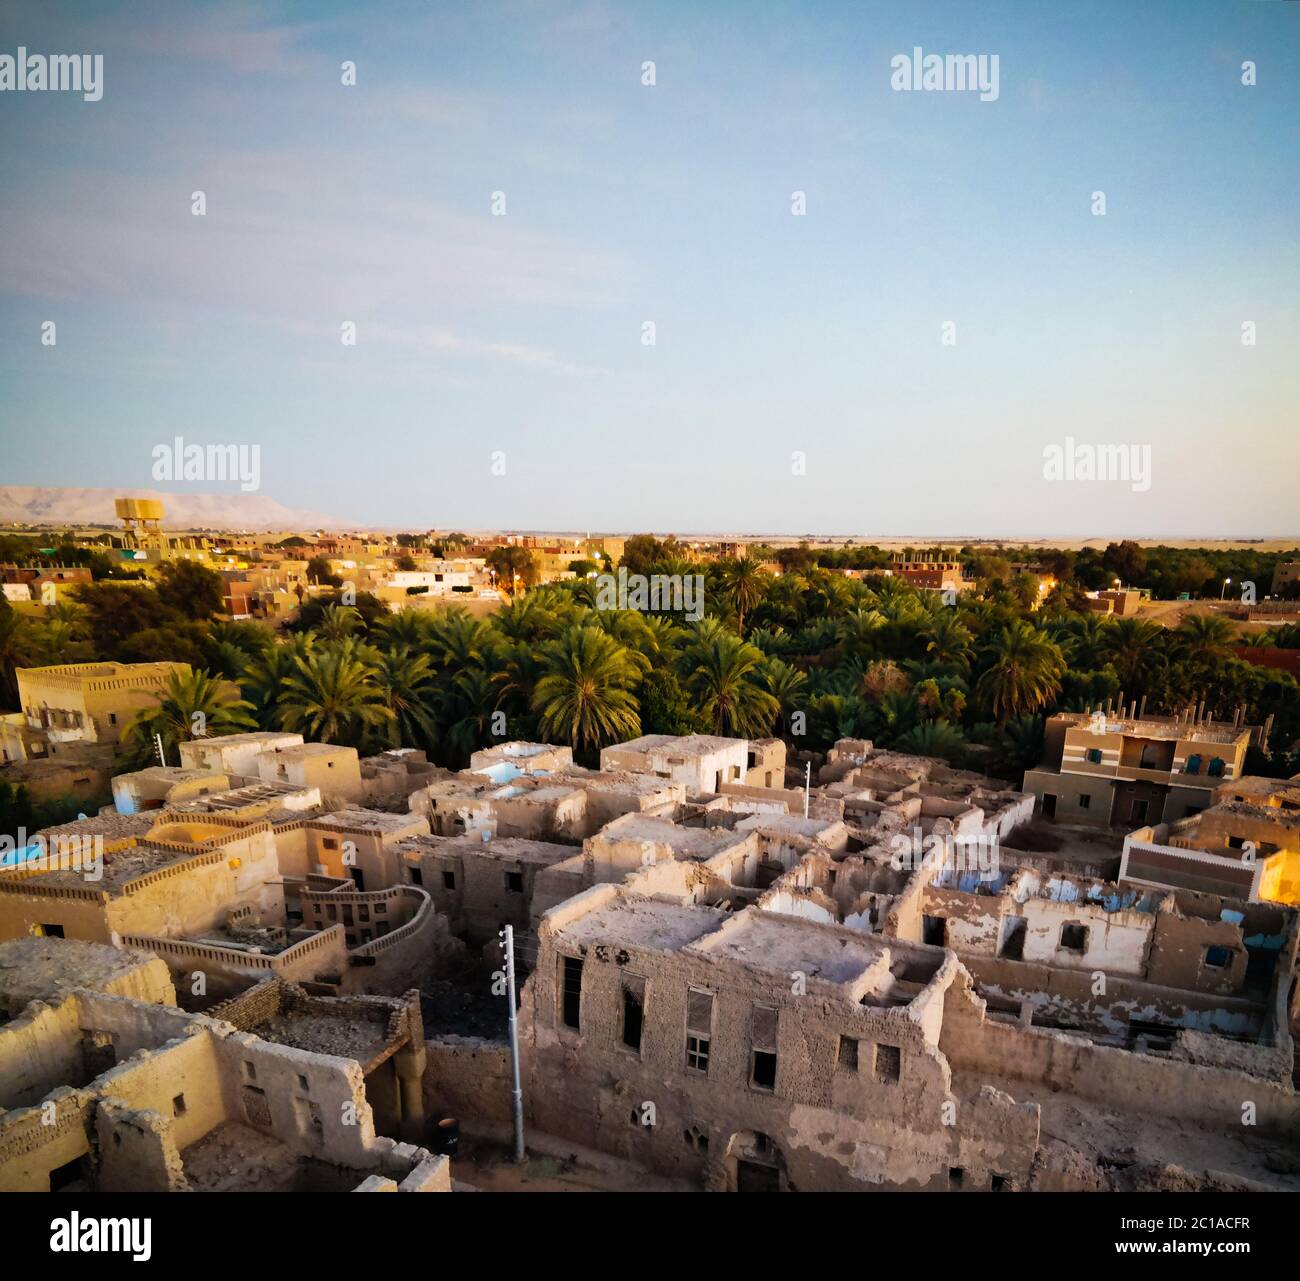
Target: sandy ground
{"x": 553, "y": 1165}
{"x": 237, "y": 1158}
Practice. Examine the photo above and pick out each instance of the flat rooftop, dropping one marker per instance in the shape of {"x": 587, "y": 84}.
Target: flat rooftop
{"x": 36, "y": 968}
{"x": 1169, "y": 730}
{"x": 687, "y": 745}
{"x": 365, "y": 820}
{"x": 304, "y": 750}
{"x": 786, "y": 944}
{"x": 685, "y": 842}
{"x": 641, "y": 922}
{"x": 340, "y": 1034}
{"x": 119, "y": 869}
{"x": 514, "y": 849}
{"x": 112, "y": 826}
{"x": 250, "y": 738}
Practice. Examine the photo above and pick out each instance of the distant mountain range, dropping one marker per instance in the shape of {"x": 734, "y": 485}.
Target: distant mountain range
{"x": 34, "y": 505}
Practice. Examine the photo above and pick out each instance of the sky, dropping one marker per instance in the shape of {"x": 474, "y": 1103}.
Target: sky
{"x": 896, "y": 360}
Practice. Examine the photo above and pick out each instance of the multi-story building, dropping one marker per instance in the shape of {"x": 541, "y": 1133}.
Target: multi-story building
{"x": 80, "y": 703}
{"x": 1117, "y": 770}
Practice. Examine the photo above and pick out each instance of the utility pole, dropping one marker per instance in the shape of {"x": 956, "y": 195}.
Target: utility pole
{"x": 516, "y": 1089}
{"x": 807, "y": 785}
{"x": 162, "y": 755}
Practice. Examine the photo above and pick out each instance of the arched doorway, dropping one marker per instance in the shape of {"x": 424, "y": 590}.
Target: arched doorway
{"x": 755, "y": 1164}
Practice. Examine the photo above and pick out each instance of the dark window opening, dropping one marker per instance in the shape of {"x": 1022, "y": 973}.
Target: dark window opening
{"x": 847, "y": 1054}
{"x": 65, "y": 1176}
{"x": 633, "y": 999}
{"x": 515, "y": 882}
{"x": 1085, "y": 801}
{"x": 571, "y": 990}
{"x": 998, "y": 1183}
{"x": 934, "y": 930}
{"x": 178, "y": 1105}
{"x": 417, "y": 876}
{"x": 449, "y": 880}
{"x": 762, "y": 1074}
{"x": 955, "y": 1176}
{"x": 1074, "y": 937}
{"x": 1013, "y": 941}
{"x": 1218, "y": 958}
{"x": 52, "y": 931}
{"x": 1049, "y": 806}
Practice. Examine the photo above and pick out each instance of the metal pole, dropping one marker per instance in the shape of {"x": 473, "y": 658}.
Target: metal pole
{"x": 516, "y": 1090}
{"x": 162, "y": 755}
{"x": 807, "y": 785}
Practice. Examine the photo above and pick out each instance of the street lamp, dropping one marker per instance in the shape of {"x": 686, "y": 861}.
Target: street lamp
{"x": 1224, "y": 592}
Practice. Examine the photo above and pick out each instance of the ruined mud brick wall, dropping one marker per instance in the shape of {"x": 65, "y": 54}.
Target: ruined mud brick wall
{"x": 1068, "y": 995}
{"x": 83, "y": 913}
{"x": 469, "y": 1078}
{"x": 39, "y": 1051}
{"x": 837, "y": 1128}
{"x": 31, "y": 1149}
{"x": 1117, "y": 1078}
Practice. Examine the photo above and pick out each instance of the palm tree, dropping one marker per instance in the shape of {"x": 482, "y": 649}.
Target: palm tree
{"x": 1133, "y": 648}
{"x": 786, "y": 684}
{"x": 338, "y": 621}
{"x": 263, "y": 679}
{"x": 406, "y": 681}
{"x": 409, "y": 627}
{"x": 457, "y": 640}
{"x": 1024, "y": 673}
{"x": 948, "y": 639}
{"x": 332, "y": 696}
{"x": 15, "y": 652}
{"x": 192, "y": 704}
{"x": 1206, "y": 639}
{"x": 467, "y": 705}
{"x": 742, "y": 586}
{"x": 584, "y": 697}
{"x": 725, "y": 677}
{"x": 934, "y": 738}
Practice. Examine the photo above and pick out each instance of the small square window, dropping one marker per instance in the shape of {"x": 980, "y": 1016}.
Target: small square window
{"x": 697, "y": 1053}
{"x": 1074, "y": 937}
{"x": 1085, "y": 801}
{"x": 888, "y": 1063}
{"x": 178, "y": 1105}
{"x": 515, "y": 882}
{"x": 1218, "y": 958}
{"x": 449, "y": 880}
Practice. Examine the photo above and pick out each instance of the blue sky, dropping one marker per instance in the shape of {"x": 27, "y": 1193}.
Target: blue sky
{"x": 672, "y": 203}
